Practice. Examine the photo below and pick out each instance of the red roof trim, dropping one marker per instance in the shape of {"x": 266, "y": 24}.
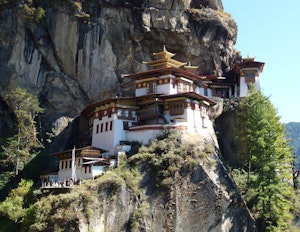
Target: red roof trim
{"x": 190, "y": 95}
{"x": 157, "y": 72}
{"x": 158, "y": 127}
{"x": 87, "y": 109}
{"x": 79, "y": 149}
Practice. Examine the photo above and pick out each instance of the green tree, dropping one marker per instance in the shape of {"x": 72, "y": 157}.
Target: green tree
{"x": 268, "y": 157}
{"x": 15, "y": 205}
{"x": 22, "y": 146}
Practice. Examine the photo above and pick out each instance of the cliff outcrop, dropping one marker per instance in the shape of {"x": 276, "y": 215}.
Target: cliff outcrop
{"x": 183, "y": 187}
{"x": 80, "y": 48}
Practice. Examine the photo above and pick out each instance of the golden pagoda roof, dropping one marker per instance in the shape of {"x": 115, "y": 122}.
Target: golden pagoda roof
{"x": 163, "y": 54}
{"x": 190, "y": 68}
{"x": 164, "y": 59}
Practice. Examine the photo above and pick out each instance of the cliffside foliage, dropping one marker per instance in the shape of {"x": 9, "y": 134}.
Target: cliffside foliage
{"x": 62, "y": 212}
{"x": 14, "y": 208}
{"x": 293, "y": 134}
{"x": 23, "y": 145}
{"x": 16, "y": 203}
{"x": 169, "y": 154}
{"x": 33, "y": 13}
{"x": 266, "y": 178}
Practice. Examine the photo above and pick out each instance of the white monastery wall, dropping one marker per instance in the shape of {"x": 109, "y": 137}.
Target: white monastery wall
{"x": 66, "y": 173}
{"x": 166, "y": 89}
{"x": 191, "y": 124}
{"x": 142, "y": 136}
{"x": 140, "y": 92}
{"x": 257, "y": 83}
{"x": 243, "y": 87}
{"x": 103, "y": 139}
{"x": 119, "y": 132}
{"x": 199, "y": 90}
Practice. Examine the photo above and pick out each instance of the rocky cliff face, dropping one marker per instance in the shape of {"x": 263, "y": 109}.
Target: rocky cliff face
{"x": 199, "y": 196}
{"x": 82, "y": 48}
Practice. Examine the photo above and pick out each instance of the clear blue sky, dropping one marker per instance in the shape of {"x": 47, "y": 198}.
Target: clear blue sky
{"x": 270, "y": 31}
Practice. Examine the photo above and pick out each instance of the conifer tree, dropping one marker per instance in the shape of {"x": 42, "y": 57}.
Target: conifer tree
{"x": 19, "y": 148}
{"x": 268, "y": 156}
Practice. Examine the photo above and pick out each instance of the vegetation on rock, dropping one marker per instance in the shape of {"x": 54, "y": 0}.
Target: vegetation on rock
{"x": 293, "y": 134}
{"x": 62, "y": 212}
{"x": 19, "y": 149}
{"x": 266, "y": 178}
{"x": 170, "y": 154}
{"x": 34, "y": 13}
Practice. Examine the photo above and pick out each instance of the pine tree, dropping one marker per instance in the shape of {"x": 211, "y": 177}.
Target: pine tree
{"x": 268, "y": 156}
{"x": 20, "y": 148}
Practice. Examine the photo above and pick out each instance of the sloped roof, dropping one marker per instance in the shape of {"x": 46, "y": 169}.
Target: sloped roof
{"x": 190, "y": 95}
{"x": 84, "y": 151}
{"x": 163, "y": 71}
{"x": 90, "y": 107}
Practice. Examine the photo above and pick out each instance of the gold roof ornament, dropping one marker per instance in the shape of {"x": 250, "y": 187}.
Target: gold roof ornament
{"x": 248, "y": 59}
{"x": 190, "y": 68}
{"x": 164, "y": 59}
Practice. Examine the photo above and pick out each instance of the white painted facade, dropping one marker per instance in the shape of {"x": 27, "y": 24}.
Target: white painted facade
{"x": 207, "y": 92}
{"x": 192, "y": 120}
{"x": 244, "y": 87}
{"x": 160, "y": 86}
{"x": 109, "y": 131}
{"x": 166, "y": 97}
{"x": 83, "y": 172}
{"x": 103, "y": 134}
{"x": 144, "y": 134}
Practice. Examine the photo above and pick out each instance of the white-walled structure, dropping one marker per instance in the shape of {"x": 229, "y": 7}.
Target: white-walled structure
{"x": 87, "y": 164}
{"x": 170, "y": 96}
{"x": 249, "y": 71}
{"x": 165, "y": 97}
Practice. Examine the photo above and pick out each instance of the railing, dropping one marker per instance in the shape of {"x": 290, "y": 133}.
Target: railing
{"x": 59, "y": 184}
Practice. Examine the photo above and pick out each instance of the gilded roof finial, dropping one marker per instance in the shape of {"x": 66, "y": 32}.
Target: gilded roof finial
{"x": 190, "y": 68}
{"x": 164, "y": 59}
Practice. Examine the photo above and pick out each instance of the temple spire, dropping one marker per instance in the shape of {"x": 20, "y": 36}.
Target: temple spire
{"x": 164, "y": 59}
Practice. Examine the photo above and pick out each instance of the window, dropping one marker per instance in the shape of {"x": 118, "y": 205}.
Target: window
{"x": 101, "y": 130}
{"x": 78, "y": 163}
{"x": 97, "y": 129}
{"x": 125, "y": 125}
{"x": 85, "y": 168}
{"x": 70, "y": 163}
{"x": 183, "y": 87}
{"x": 148, "y": 112}
{"x": 111, "y": 125}
{"x": 90, "y": 169}
{"x": 106, "y": 126}
{"x": 176, "y": 108}
{"x": 66, "y": 164}
{"x": 205, "y": 92}
{"x": 151, "y": 87}
{"x": 249, "y": 75}
{"x": 62, "y": 164}
{"x": 203, "y": 111}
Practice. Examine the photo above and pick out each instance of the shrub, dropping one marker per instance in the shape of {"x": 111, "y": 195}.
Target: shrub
{"x": 34, "y": 13}
{"x": 14, "y": 206}
{"x": 137, "y": 217}
{"x": 168, "y": 154}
